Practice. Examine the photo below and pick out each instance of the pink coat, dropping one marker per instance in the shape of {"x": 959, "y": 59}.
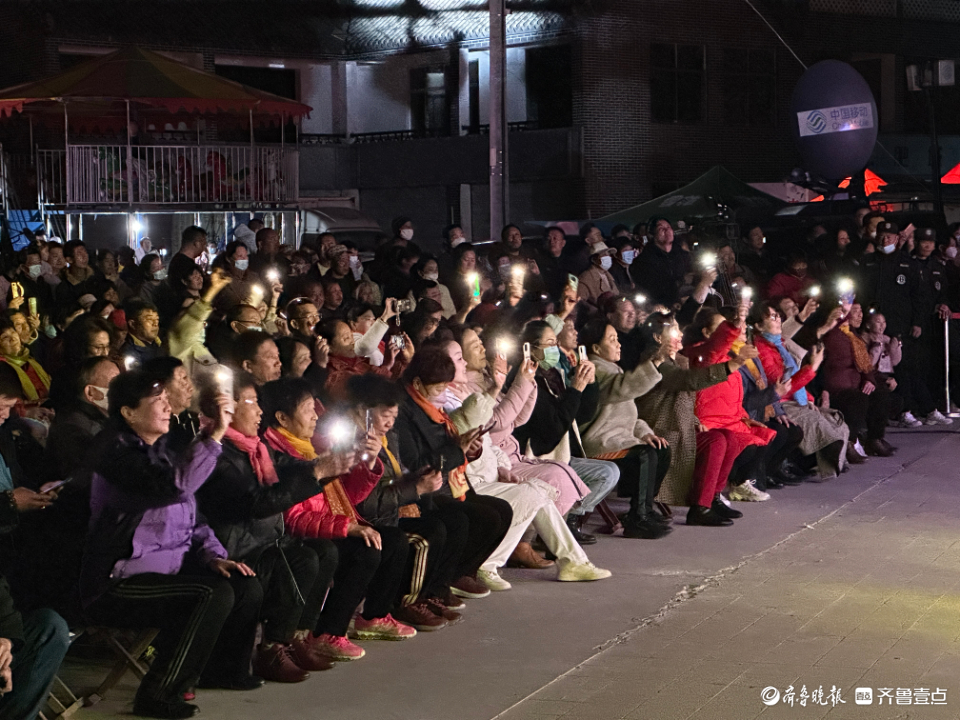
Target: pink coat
{"x": 513, "y": 410}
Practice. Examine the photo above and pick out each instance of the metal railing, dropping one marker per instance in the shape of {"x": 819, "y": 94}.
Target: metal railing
{"x": 164, "y": 175}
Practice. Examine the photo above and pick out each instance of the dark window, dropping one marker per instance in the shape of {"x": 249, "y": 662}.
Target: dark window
{"x": 278, "y": 81}
{"x": 549, "y": 86}
{"x": 474, "y": 118}
{"x": 749, "y": 87}
{"x": 428, "y": 100}
{"x": 677, "y": 81}
{"x": 916, "y": 104}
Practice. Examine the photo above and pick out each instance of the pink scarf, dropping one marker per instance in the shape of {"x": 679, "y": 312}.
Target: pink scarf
{"x": 258, "y": 454}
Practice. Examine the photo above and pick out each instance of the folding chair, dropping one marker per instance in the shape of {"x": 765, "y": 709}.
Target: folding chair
{"x": 127, "y": 659}
{"x": 610, "y": 519}
{"x": 61, "y": 703}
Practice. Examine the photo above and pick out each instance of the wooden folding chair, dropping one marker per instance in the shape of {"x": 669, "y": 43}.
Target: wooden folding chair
{"x": 127, "y": 659}
{"x": 61, "y": 703}
{"x": 610, "y": 519}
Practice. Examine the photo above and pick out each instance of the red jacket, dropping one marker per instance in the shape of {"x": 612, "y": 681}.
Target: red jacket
{"x": 341, "y": 369}
{"x": 721, "y": 406}
{"x": 315, "y": 518}
{"x": 839, "y": 368}
{"x": 787, "y": 285}
{"x": 774, "y": 368}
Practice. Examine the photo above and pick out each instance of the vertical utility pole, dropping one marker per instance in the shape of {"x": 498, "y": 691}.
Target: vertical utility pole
{"x": 499, "y": 179}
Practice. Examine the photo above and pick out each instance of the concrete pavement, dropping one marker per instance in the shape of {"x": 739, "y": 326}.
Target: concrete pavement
{"x": 852, "y": 583}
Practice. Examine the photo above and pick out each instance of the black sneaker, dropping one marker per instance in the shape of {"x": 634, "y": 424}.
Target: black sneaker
{"x": 697, "y": 515}
{"x": 721, "y": 509}
{"x": 166, "y": 710}
{"x": 646, "y": 529}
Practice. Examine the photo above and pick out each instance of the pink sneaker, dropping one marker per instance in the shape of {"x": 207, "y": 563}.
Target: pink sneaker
{"x": 385, "y": 628}
{"x": 337, "y": 647}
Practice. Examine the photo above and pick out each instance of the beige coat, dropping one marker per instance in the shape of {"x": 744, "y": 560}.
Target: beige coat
{"x": 618, "y": 425}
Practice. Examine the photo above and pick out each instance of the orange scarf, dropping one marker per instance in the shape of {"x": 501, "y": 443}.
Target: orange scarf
{"x": 861, "y": 356}
{"x": 457, "y": 477}
{"x": 285, "y": 441}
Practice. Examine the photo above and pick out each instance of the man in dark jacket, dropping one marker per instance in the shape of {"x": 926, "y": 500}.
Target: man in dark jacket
{"x": 662, "y": 265}
{"x": 890, "y": 283}
{"x": 32, "y": 646}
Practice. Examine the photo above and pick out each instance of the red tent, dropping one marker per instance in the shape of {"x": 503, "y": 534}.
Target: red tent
{"x": 103, "y": 86}
{"x": 952, "y": 177}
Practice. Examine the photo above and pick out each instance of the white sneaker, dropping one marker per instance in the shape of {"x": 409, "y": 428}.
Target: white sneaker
{"x": 937, "y": 418}
{"x": 492, "y": 579}
{"x": 747, "y": 492}
{"x": 859, "y": 449}
{"x": 580, "y": 572}
{"x": 908, "y": 420}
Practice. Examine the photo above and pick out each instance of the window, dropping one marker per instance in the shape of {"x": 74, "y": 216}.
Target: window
{"x": 428, "y": 100}
{"x": 749, "y": 87}
{"x": 549, "y": 86}
{"x": 677, "y": 81}
{"x": 280, "y": 82}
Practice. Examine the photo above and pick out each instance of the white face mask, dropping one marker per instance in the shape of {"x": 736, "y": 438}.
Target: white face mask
{"x": 406, "y": 234}
{"x": 887, "y": 249}
{"x": 950, "y": 252}
{"x": 627, "y": 256}
{"x": 431, "y": 276}
{"x": 34, "y": 271}
{"x": 606, "y": 262}
{"x": 160, "y": 274}
{"x": 103, "y": 404}
{"x": 457, "y": 241}
{"x": 242, "y": 264}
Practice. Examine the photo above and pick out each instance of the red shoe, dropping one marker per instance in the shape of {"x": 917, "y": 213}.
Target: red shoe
{"x": 469, "y": 587}
{"x": 420, "y": 617}
{"x": 451, "y": 601}
{"x": 275, "y": 663}
{"x": 306, "y": 656}
{"x": 337, "y": 647}
{"x": 440, "y": 610}
{"x": 384, "y": 628}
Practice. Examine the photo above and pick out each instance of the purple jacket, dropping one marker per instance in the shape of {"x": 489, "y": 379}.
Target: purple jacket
{"x": 144, "y": 515}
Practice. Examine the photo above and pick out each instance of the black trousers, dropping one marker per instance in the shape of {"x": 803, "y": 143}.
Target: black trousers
{"x": 430, "y": 576}
{"x": 642, "y": 472}
{"x": 747, "y": 466}
{"x": 364, "y": 572}
{"x": 207, "y": 625}
{"x": 487, "y": 520}
{"x": 295, "y": 580}
{"x": 316, "y": 595}
{"x": 865, "y": 415}
{"x": 787, "y": 440}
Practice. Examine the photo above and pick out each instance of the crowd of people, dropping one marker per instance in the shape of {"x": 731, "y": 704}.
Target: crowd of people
{"x": 269, "y": 453}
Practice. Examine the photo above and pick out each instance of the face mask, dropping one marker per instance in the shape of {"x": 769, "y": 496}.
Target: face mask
{"x": 103, "y": 403}
{"x": 887, "y": 249}
{"x": 551, "y": 356}
{"x": 627, "y": 256}
{"x": 34, "y": 271}
{"x": 50, "y": 331}
{"x": 431, "y": 276}
{"x": 606, "y": 262}
{"x": 242, "y": 264}
{"x": 160, "y": 274}
{"x": 457, "y": 241}
{"x": 406, "y": 234}
{"x": 950, "y": 252}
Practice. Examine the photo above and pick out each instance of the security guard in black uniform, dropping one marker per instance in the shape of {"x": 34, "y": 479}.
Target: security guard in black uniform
{"x": 924, "y": 350}
{"x": 889, "y": 282}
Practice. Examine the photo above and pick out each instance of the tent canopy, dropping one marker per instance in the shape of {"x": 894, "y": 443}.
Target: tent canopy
{"x": 702, "y": 199}
{"x": 148, "y": 80}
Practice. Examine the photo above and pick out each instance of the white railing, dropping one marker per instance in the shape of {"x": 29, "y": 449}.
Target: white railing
{"x": 165, "y": 175}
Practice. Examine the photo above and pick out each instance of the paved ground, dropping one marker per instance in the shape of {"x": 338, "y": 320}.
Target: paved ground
{"x": 853, "y": 583}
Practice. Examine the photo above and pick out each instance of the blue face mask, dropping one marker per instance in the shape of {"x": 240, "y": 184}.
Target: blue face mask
{"x": 551, "y": 357}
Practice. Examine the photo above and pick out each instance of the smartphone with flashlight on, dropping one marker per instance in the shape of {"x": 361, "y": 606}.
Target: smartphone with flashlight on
{"x": 582, "y": 352}
{"x": 526, "y": 351}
